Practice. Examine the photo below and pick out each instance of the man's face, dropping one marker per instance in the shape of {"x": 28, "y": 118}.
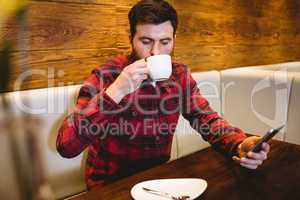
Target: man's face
{"x": 151, "y": 39}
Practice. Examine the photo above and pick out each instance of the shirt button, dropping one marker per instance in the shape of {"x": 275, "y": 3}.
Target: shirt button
{"x": 146, "y": 148}
{"x": 134, "y": 113}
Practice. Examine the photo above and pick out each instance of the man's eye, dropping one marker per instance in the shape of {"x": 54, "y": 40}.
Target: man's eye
{"x": 165, "y": 42}
{"x": 146, "y": 42}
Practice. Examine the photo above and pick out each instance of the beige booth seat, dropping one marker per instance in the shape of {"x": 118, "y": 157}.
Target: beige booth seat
{"x": 287, "y": 66}
{"x": 292, "y": 71}
{"x": 8, "y": 178}
{"x": 258, "y": 98}
{"x": 48, "y": 107}
{"x": 187, "y": 139}
{"x": 293, "y": 119}
{"x": 293, "y": 126}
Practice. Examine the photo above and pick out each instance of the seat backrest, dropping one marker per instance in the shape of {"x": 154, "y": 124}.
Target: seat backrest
{"x": 256, "y": 100}
{"x": 48, "y": 107}
{"x": 293, "y": 125}
{"x": 286, "y": 66}
{"x": 187, "y": 139}
{"x": 9, "y": 176}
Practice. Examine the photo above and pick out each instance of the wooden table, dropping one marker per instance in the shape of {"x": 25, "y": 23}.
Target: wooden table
{"x": 277, "y": 178}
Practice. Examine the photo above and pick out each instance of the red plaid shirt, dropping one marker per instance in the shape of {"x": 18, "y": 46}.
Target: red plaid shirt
{"x": 137, "y": 133}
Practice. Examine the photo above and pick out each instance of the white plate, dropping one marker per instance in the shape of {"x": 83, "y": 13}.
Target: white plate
{"x": 192, "y": 187}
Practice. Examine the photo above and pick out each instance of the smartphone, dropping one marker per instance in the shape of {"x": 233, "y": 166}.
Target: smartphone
{"x": 271, "y": 133}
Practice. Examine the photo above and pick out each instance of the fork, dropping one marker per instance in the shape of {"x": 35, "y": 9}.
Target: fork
{"x": 165, "y": 194}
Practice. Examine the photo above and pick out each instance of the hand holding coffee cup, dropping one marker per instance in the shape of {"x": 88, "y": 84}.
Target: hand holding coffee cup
{"x": 160, "y": 67}
{"x": 129, "y": 80}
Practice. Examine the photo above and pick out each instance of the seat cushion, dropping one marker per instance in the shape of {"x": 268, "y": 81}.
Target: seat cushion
{"x": 8, "y": 181}
{"x": 256, "y": 100}
{"x": 293, "y": 125}
{"x": 188, "y": 140}
{"x": 48, "y": 107}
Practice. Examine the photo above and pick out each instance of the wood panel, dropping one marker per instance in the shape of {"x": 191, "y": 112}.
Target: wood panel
{"x": 54, "y": 25}
{"x": 97, "y": 2}
{"x": 58, "y": 67}
{"x": 74, "y": 36}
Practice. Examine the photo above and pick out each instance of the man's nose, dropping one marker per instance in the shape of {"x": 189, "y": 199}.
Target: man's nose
{"x": 155, "y": 49}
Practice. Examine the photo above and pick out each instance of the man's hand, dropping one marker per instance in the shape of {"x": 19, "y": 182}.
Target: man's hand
{"x": 251, "y": 160}
{"x": 128, "y": 81}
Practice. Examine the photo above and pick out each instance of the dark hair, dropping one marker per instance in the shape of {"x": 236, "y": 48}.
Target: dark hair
{"x": 152, "y": 12}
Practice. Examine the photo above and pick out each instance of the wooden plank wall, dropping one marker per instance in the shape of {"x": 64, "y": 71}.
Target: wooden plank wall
{"x": 66, "y": 39}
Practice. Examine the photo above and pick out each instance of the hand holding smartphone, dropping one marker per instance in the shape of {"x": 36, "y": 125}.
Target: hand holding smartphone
{"x": 271, "y": 133}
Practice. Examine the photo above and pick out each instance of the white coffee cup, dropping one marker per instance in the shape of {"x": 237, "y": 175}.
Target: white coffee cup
{"x": 160, "y": 67}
